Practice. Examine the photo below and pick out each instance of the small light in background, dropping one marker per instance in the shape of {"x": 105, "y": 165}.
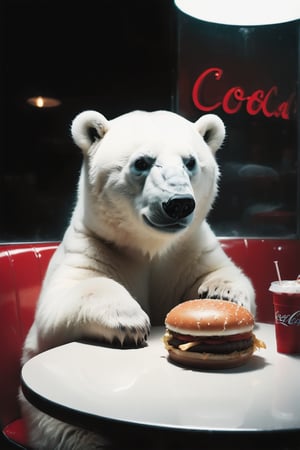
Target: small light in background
{"x": 43, "y": 102}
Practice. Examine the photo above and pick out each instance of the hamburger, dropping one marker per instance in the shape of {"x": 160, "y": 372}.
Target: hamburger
{"x": 210, "y": 334}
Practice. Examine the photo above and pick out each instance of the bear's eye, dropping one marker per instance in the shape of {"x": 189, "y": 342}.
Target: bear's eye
{"x": 143, "y": 164}
{"x": 190, "y": 163}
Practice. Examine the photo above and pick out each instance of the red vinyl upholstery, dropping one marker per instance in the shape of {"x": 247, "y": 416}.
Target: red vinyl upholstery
{"x": 22, "y": 267}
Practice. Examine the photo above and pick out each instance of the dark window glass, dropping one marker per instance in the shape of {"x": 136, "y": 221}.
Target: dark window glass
{"x": 121, "y": 56}
{"x": 249, "y": 77}
{"x": 111, "y": 56}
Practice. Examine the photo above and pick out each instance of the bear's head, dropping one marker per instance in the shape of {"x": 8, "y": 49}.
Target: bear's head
{"x": 147, "y": 177}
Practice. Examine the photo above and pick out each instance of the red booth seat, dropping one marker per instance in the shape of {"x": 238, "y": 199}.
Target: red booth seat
{"x": 22, "y": 267}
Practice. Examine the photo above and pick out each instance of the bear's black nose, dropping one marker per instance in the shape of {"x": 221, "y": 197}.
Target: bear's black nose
{"x": 179, "y": 206}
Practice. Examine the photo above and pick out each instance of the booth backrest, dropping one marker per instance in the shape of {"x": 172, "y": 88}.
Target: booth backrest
{"x": 22, "y": 268}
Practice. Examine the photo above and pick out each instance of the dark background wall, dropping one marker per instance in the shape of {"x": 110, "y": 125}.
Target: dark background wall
{"x": 108, "y": 55}
{"x": 116, "y": 56}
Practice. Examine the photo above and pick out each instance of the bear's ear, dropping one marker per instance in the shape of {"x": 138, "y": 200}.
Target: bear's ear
{"x": 88, "y": 127}
{"x": 212, "y": 129}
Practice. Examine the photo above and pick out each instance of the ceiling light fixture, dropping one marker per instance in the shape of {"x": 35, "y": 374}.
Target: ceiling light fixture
{"x": 236, "y": 12}
{"x": 43, "y": 102}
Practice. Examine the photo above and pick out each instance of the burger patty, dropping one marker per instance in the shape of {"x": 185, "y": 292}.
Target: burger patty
{"x": 222, "y": 348}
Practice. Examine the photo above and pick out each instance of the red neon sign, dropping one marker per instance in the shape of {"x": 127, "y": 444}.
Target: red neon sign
{"x": 235, "y": 97}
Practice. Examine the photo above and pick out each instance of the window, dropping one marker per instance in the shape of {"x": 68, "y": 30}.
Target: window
{"x": 247, "y": 75}
{"x": 136, "y": 55}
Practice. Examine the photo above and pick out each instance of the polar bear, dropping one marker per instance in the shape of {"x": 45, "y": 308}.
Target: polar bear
{"x": 137, "y": 244}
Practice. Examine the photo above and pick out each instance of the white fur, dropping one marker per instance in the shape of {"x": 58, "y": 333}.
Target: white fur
{"x": 113, "y": 270}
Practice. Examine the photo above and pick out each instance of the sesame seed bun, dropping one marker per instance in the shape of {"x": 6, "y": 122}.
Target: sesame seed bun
{"x": 210, "y": 334}
{"x": 209, "y": 318}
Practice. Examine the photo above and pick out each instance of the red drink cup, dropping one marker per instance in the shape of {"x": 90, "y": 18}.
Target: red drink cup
{"x": 286, "y": 301}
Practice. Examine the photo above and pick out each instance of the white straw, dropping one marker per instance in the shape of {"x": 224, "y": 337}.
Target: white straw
{"x": 277, "y": 270}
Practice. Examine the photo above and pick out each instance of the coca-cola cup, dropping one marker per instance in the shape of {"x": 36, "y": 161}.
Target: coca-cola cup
{"x": 286, "y": 301}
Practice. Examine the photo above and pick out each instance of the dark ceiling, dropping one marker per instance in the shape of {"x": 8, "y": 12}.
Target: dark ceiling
{"x": 109, "y": 55}
{"x": 112, "y": 51}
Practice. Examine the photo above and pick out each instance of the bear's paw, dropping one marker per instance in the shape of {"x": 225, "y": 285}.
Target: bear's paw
{"x": 239, "y": 291}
